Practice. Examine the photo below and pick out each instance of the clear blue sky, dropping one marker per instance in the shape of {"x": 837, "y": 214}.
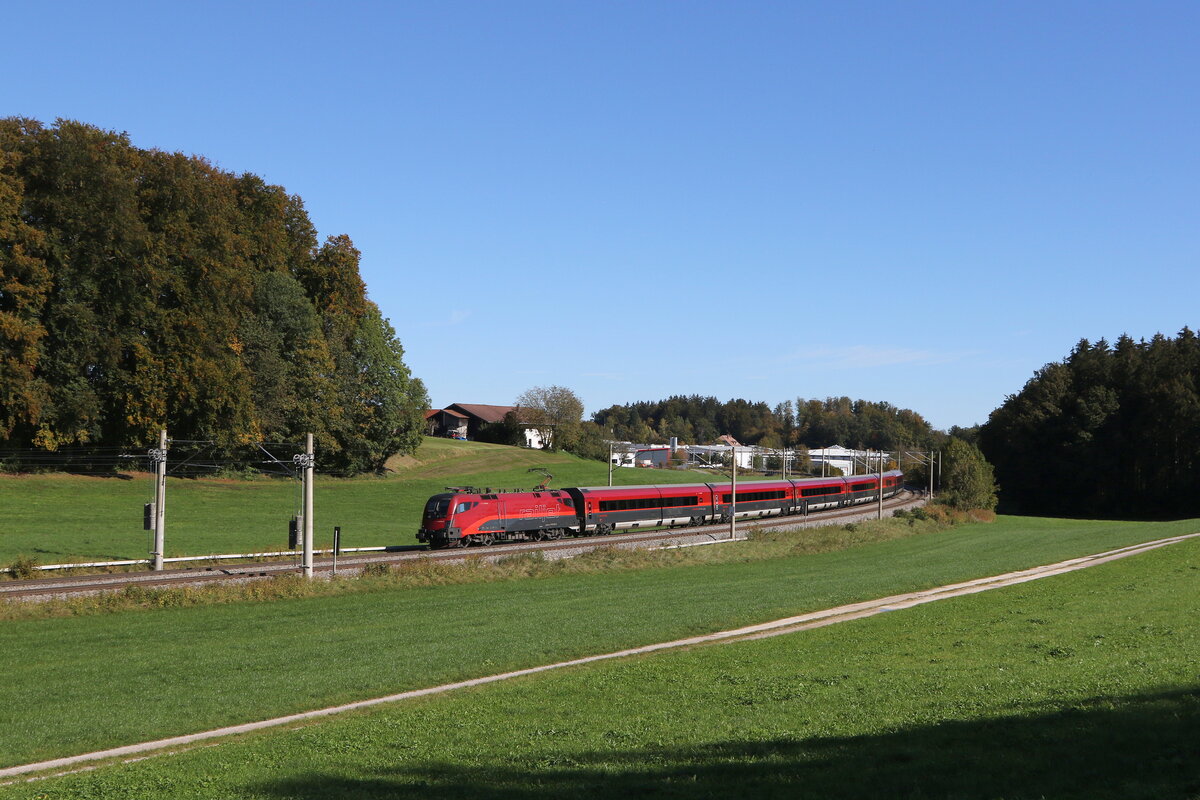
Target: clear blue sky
{"x": 918, "y": 202}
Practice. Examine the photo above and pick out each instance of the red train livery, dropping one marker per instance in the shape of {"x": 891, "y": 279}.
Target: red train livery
{"x": 461, "y": 518}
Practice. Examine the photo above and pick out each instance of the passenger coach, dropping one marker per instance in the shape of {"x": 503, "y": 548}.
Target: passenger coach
{"x": 470, "y": 517}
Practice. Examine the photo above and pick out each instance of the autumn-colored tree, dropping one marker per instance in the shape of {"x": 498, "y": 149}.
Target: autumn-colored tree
{"x": 142, "y": 289}
{"x": 24, "y": 284}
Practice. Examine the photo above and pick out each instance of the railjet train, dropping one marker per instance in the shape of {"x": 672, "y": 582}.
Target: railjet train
{"x": 459, "y": 518}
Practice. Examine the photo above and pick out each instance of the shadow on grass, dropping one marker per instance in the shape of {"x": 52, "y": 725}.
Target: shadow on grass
{"x": 1139, "y": 747}
{"x": 115, "y": 476}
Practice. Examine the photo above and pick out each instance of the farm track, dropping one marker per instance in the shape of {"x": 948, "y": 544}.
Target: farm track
{"x": 70, "y": 585}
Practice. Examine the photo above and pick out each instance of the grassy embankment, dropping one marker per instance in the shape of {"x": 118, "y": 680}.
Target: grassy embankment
{"x": 105, "y": 679}
{"x": 58, "y": 518}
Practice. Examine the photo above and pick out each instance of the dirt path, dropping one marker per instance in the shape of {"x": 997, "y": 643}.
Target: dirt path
{"x": 815, "y": 619}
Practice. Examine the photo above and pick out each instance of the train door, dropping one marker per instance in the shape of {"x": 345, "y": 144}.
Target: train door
{"x": 713, "y": 504}
{"x": 501, "y": 514}
{"x": 584, "y": 509}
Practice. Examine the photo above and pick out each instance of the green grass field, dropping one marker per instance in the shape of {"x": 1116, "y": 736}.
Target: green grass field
{"x": 59, "y": 518}
{"x": 100, "y": 680}
{"x": 1079, "y": 686}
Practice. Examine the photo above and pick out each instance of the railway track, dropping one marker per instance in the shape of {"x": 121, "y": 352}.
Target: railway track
{"x": 70, "y": 585}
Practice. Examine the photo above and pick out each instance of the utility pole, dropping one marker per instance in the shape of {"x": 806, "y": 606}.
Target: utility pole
{"x": 308, "y": 506}
{"x": 881, "y": 485}
{"x": 306, "y": 461}
{"x": 610, "y": 455}
{"x": 337, "y": 547}
{"x": 939, "y": 471}
{"x": 733, "y": 497}
{"x": 930, "y": 474}
{"x": 159, "y": 457}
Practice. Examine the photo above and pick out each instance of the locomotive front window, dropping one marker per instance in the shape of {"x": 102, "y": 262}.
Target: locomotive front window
{"x": 437, "y": 507}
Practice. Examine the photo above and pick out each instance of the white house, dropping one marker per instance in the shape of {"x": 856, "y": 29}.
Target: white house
{"x": 463, "y": 421}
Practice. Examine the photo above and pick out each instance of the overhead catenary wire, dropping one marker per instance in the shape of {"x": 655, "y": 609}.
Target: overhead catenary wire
{"x": 190, "y": 458}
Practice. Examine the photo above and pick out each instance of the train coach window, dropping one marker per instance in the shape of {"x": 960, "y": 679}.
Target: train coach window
{"x": 750, "y": 497}
{"x": 626, "y": 505}
{"x": 858, "y": 487}
{"x": 813, "y": 491}
{"x": 676, "y": 502}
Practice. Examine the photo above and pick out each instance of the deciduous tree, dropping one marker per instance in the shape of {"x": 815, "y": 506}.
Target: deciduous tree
{"x": 142, "y": 289}
{"x": 24, "y": 285}
{"x": 550, "y": 409}
{"x": 967, "y": 479}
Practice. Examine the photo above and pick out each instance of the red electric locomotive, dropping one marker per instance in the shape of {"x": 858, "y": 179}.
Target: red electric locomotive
{"x": 463, "y": 517}
{"x": 472, "y": 517}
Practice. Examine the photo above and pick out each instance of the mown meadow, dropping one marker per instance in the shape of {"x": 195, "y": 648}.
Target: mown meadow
{"x": 1023, "y": 672}
{"x": 1081, "y": 686}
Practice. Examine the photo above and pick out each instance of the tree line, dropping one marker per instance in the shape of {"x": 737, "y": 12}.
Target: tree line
{"x": 141, "y": 289}
{"x": 808, "y": 423}
{"x": 1112, "y": 430}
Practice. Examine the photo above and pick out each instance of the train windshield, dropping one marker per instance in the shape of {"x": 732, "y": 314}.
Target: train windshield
{"x": 437, "y": 506}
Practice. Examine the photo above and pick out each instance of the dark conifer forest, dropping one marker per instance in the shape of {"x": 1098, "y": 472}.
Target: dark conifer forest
{"x": 141, "y": 289}
{"x": 1109, "y": 431}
